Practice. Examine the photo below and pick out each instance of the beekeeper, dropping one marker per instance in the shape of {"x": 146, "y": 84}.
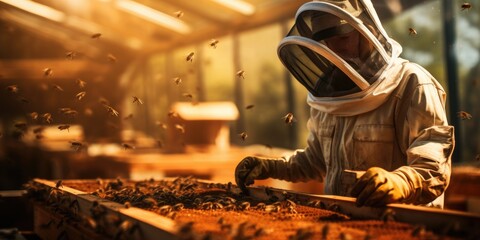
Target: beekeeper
{"x": 370, "y": 110}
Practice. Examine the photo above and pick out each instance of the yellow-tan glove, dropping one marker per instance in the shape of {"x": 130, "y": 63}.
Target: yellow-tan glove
{"x": 378, "y": 187}
{"x": 250, "y": 169}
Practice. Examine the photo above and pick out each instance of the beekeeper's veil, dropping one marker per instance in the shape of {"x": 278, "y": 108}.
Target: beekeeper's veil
{"x": 338, "y": 83}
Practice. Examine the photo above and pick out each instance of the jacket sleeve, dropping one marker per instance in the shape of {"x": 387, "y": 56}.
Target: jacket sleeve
{"x": 430, "y": 143}
{"x": 305, "y": 164}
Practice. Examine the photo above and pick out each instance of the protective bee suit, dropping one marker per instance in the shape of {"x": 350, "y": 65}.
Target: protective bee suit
{"x": 371, "y": 111}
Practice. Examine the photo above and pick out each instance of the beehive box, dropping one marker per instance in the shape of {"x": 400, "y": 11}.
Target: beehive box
{"x": 185, "y": 208}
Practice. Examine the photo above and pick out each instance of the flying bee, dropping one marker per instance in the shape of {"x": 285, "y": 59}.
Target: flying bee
{"x": 12, "y": 88}
{"x": 34, "y": 115}
{"x": 80, "y": 95}
{"x": 213, "y": 43}
{"x": 243, "y": 136}
{"x": 57, "y": 87}
{"x": 172, "y": 114}
{"x": 188, "y": 95}
{"x": 58, "y": 184}
{"x": 70, "y": 113}
{"x": 249, "y": 106}
{"x": 464, "y": 115}
{"x": 466, "y": 6}
{"x": 127, "y": 146}
{"x": 76, "y": 145}
{"x": 418, "y": 231}
{"x": 112, "y": 111}
{"x": 80, "y": 83}
{"x": 38, "y": 130}
{"x": 22, "y": 126}
{"x": 289, "y": 119}
{"x": 111, "y": 58}
{"x": 129, "y": 116}
{"x": 96, "y": 35}
{"x": 64, "y": 127}
{"x": 70, "y": 55}
{"x": 47, "y": 117}
{"x": 179, "y": 14}
{"x": 180, "y": 128}
{"x": 103, "y": 101}
{"x": 47, "y": 72}
{"x": 137, "y": 100}
{"x": 23, "y": 100}
{"x": 190, "y": 57}
{"x": 412, "y": 31}
{"x": 161, "y": 124}
{"x": 241, "y": 74}
{"x": 388, "y": 215}
{"x": 177, "y": 80}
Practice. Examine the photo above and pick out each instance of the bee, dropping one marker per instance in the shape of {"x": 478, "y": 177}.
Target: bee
{"x": 47, "y": 117}
{"x": 345, "y": 236}
{"x": 126, "y": 227}
{"x": 464, "y": 115}
{"x": 129, "y": 116}
{"x": 177, "y": 80}
{"x": 249, "y": 106}
{"x": 388, "y": 215}
{"x": 127, "y": 146}
{"x": 213, "y": 43}
{"x": 12, "y": 88}
{"x": 88, "y": 111}
{"x": 23, "y": 100}
{"x": 159, "y": 143}
{"x": 38, "y": 130}
{"x": 180, "y": 128}
{"x": 57, "y": 87}
{"x": 111, "y": 58}
{"x": 80, "y": 95}
{"x": 96, "y": 35}
{"x": 289, "y": 119}
{"x": 58, "y": 184}
{"x": 241, "y": 74}
{"x": 477, "y": 157}
{"x": 161, "y": 124}
{"x": 63, "y": 127}
{"x": 412, "y": 31}
{"x": 137, "y": 100}
{"x": 243, "y": 136}
{"x": 188, "y": 95}
{"x": 34, "y": 115}
{"x": 22, "y": 126}
{"x": 418, "y": 231}
{"x": 70, "y": 113}
{"x": 112, "y": 111}
{"x": 325, "y": 230}
{"x": 190, "y": 57}
{"x": 47, "y": 72}
{"x": 103, "y": 101}
{"x": 70, "y": 55}
{"x": 80, "y": 83}
{"x": 179, "y": 14}
{"x": 76, "y": 145}
{"x": 466, "y": 6}
{"x": 172, "y": 114}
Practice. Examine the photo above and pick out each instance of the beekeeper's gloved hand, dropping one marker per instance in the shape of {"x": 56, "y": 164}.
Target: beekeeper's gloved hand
{"x": 251, "y": 169}
{"x": 378, "y": 187}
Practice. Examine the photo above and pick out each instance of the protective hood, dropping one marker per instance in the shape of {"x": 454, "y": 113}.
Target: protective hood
{"x": 340, "y": 52}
